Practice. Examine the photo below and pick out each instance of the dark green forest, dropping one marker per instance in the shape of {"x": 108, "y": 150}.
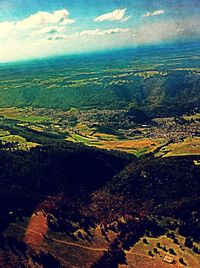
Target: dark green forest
{"x": 170, "y": 95}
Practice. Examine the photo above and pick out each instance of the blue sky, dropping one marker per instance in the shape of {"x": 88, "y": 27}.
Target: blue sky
{"x": 36, "y": 28}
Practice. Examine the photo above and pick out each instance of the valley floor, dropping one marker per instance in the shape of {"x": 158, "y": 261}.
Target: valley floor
{"x": 107, "y": 129}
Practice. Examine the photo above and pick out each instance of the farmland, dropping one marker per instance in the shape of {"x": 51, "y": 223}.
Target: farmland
{"x": 189, "y": 146}
{"x": 108, "y": 129}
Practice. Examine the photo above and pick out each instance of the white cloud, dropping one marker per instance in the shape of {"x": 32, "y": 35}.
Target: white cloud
{"x": 154, "y": 13}
{"x": 117, "y": 30}
{"x": 29, "y": 36}
{"x": 105, "y": 32}
{"x": 180, "y": 30}
{"x": 42, "y": 18}
{"x": 91, "y": 32}
{"x": 115, "y": 15}
{"x": 39, "y": 24}
{"x": 6, "y": 28}
{"x": 87, "y": 33}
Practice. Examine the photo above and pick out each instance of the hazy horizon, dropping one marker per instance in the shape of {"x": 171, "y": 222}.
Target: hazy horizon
{"x": 140, "y": 50}
{"x": 32, "y": 30}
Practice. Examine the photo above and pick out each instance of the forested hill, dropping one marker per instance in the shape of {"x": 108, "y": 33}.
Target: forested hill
{"x": 169, "y": 185}
{"x": 123, "y": 79}
{"x": 26, "y": 178}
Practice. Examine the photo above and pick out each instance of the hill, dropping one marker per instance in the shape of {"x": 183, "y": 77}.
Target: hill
{"x": 100, "y": 202}
{"x": 117, "y": 80}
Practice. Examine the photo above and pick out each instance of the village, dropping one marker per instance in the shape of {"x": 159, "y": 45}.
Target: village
{"x": 106, "y": 129}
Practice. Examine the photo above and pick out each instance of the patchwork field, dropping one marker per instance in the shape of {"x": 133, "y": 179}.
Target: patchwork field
{"x": 116, "y": 142}
{"x": 137, "y": 147}
{"x": 89, "y": 128}
{"x": 190, "y": 146}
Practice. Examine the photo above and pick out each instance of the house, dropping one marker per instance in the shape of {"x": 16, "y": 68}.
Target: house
{"x": 169, "y": 259}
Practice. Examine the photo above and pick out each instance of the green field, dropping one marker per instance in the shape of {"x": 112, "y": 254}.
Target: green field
{"x": 190, "y": 146}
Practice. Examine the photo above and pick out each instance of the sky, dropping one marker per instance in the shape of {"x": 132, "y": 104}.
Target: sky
{"x": 41, "y": 28}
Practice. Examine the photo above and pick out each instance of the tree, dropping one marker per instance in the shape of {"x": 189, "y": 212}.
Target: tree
{"x": 156, "y": 250}
{"x": 176, "y": 241}
{"x": 181, "y": 260}
{"x": 165, "y": 249}
{"x": 195, "y": 250}
{"x": 145, "y": 241}
{"x": 171, "y": 251}
{"x": 158, "y": 244}
{"x": 188, "y": 242}
{"x": 114, "y": 256}
{"x": 150, "y": 253}
{"x": 46, "y": 259}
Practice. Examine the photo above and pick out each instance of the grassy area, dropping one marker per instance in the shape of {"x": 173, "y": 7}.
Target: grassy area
{"x": 190, "y": 117}
{"x": 4, "y": 133}
{"x": 139, "y": 256}
{"x": 197, "y": 162}
{"x": 190, "y": 146}
{"x": 29, "y": 119}
{"x": 137, "y": 147}
{"x": 22, "y": 115}
{"x": 76, "y": 253}
{"x": 106, "y": 137}
{"x": 79, "y": 138}
{"x": 36, "y": 128}
{"x": 22, "y": 143}
{"x": 82, "y": 128}
{"x": 113, "y": 142}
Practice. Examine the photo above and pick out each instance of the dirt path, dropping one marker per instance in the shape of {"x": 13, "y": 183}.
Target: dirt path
{"x": 78, "y": 245}
{"x": 40, "y": 236}
{"x": 31, "y": 233}
{"x": 139, "y": 255}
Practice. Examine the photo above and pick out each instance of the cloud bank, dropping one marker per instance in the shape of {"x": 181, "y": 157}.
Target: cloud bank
{"x": 41, "y": 22}
{"x": 55, "y": 33}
